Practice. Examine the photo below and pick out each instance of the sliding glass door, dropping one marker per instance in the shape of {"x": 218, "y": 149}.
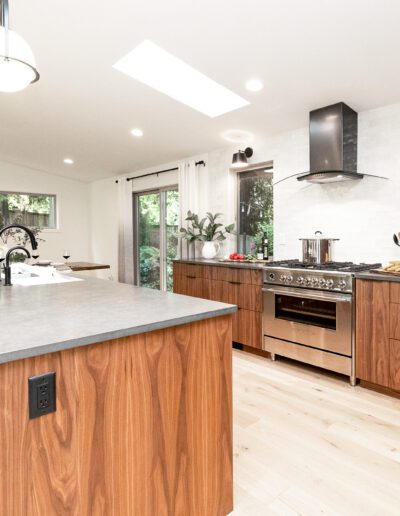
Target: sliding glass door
{"x": 156, "y": 215}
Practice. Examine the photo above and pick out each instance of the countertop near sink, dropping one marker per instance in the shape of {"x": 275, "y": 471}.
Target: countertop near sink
{"x": 240, "y": 265}
{"x": 370, "y": 275}
{"x": 45, "y": 318}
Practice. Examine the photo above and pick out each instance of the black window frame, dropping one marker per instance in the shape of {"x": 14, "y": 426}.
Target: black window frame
{"x": 257, "y": 170}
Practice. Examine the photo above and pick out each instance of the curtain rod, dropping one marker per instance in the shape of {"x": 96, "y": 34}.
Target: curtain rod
{"x": 201, "y": 162}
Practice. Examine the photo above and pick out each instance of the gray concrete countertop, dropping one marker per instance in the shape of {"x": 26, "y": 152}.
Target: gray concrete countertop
{"x": 45, "y": 318}
{"x": 366, "y": 275}
{"x": 239, "y": 265}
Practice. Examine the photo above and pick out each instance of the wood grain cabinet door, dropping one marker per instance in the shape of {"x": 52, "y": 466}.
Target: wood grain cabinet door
{"x": 247, "y": 328}
{"x": 395, "y": 321}
{"x": 395, "y": 292}
{"x": 248, "y": 297}
{"x": 372, "y": 331}
{"x": 394, "y": 364}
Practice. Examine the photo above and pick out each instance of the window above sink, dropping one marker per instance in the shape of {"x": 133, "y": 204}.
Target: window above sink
{"x": 30, "y": 209}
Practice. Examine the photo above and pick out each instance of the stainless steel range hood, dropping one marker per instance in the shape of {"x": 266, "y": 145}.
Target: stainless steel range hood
{"x": 333, "y": 145}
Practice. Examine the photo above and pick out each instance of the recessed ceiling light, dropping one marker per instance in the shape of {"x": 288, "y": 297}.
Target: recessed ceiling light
{"x": 137, "y": 132}
{"x": 254, "y": 85}
{"x": 237, "y": 136}
{"x": 69, "y": 161}
{"x": 154, "y": 66}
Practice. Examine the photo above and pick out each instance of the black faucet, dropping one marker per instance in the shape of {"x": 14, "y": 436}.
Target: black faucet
{"x": 7, "y": 268}
{"x": 30, "y": 234}
{"x": 34, "y": 245}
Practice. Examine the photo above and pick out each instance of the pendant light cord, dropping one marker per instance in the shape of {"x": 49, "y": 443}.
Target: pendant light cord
{"x": 5, "y": 23}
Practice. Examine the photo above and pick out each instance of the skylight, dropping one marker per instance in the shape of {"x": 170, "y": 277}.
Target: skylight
{"x": 154, "y": 66}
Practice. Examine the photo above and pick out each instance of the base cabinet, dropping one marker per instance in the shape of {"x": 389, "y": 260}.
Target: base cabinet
{"x": 241, "y": 287}
{"x": 378, "y": 333}
{"x": 247, "y": 328}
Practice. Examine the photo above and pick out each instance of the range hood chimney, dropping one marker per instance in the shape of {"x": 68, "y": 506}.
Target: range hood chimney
{"x": 333, "y": 145}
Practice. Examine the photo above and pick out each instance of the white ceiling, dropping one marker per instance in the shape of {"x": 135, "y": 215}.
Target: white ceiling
{"x": 308, "y": 53}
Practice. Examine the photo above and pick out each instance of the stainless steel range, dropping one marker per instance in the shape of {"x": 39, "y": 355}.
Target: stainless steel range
{"x": 309, "y": 313}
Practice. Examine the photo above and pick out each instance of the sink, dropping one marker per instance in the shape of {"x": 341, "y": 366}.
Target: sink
{"x": 34, "y": 279}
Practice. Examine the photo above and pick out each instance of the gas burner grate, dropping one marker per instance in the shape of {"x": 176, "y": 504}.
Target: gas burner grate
{"x": 330, "y": 266}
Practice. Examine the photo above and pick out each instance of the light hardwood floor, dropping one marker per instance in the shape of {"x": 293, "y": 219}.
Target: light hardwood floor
{"x": 307, "y": 443}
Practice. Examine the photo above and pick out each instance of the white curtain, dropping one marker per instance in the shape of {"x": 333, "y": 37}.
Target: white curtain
{"x": 189, "y": 188}
{"x": 125, "y": 235}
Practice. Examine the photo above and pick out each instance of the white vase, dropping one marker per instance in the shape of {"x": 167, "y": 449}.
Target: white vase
{"x": 210, "y": 250}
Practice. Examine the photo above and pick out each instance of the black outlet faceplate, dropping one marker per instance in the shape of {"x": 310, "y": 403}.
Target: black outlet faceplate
{"x": 42, "y": 394}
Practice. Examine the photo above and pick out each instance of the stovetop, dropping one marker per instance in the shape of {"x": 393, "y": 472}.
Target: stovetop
{"x": 332, "y": 276}
{"x": 330, "y": 266}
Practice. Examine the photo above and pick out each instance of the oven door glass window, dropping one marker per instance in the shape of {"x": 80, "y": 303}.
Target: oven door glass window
{"x": 306, "y": 311}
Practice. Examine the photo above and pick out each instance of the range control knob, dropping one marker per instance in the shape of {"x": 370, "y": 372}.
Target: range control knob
{"x": 342, "y": 284}
{"x": 314, "y": 282}
{"x": 289, "y": 279}
{"x": 322, "y": 283}
{"x": 271, "y": 276}
{"x": 300, "y": 280}
{"x": 283, "y": 277}
{"x": 308, "y": 281}
{"x": 329, "y": 283}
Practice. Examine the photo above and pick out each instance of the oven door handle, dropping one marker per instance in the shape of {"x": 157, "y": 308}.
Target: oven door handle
{"x": 310, "y": 294}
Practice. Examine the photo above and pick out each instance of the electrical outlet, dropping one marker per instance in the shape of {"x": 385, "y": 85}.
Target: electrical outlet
{"x": 42, "y": 394}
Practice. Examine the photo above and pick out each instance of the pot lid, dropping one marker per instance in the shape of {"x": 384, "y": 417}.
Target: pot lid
{"x": 318, "y": 236}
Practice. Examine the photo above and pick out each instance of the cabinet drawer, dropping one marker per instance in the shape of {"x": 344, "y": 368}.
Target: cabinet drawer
{"x": 394, "y": 381}
{"x": 246, "y": 328}
{"x": 247, "y": 276}
{"x": 192, "y": 286}
{"x": 192, "y": 270}
{"x": 395, "y": 292}
{"x": 244, "y": 296}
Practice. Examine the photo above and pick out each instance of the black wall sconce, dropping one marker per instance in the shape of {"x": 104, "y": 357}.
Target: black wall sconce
{"x": 240, "y": 157}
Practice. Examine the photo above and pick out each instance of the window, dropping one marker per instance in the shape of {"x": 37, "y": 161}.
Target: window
{"x": 33, "y": 210}
{"x": 156, "y": 237}
{"x": 255, "y": 209}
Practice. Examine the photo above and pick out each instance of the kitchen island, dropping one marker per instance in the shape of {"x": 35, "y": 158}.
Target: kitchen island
{"x": 143, "y": 419}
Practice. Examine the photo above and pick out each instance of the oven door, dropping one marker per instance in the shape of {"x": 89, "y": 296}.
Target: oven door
{"x": 317, "y": 319}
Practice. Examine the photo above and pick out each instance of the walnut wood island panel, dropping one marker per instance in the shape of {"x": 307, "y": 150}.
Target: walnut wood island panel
{"x": 143, "y": 424}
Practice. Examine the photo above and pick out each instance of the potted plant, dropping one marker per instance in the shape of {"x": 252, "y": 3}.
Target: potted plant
{"x": 207, "y": 230}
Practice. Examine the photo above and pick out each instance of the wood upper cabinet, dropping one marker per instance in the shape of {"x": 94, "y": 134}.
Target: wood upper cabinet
{"x": 241, "y": 287}
{"x": 378, "y": 332}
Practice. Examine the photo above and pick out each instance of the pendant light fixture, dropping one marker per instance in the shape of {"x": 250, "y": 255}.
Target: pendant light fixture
{"x": 239, "y": 159}
{"x": 17, "y": 63}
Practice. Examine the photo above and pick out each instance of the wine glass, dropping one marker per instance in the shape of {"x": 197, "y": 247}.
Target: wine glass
{"x": 66, "y": 254}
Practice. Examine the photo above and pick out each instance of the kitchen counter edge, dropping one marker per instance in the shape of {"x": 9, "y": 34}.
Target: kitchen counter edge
{"x": 237, "y": 265}
{"x": 19, "y": 343}
{"x": 374, "y": 276}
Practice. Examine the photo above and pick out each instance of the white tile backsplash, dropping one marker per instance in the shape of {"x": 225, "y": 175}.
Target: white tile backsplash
{"x": 362, "y": 214}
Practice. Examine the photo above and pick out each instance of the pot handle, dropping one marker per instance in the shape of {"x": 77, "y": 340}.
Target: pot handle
{"x": 218, "y": 246}
{"x": 318, "y": 233}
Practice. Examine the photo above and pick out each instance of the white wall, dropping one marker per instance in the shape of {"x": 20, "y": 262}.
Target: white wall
{"x": 73, "y": 209}
{"x": 363, "y": 214}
